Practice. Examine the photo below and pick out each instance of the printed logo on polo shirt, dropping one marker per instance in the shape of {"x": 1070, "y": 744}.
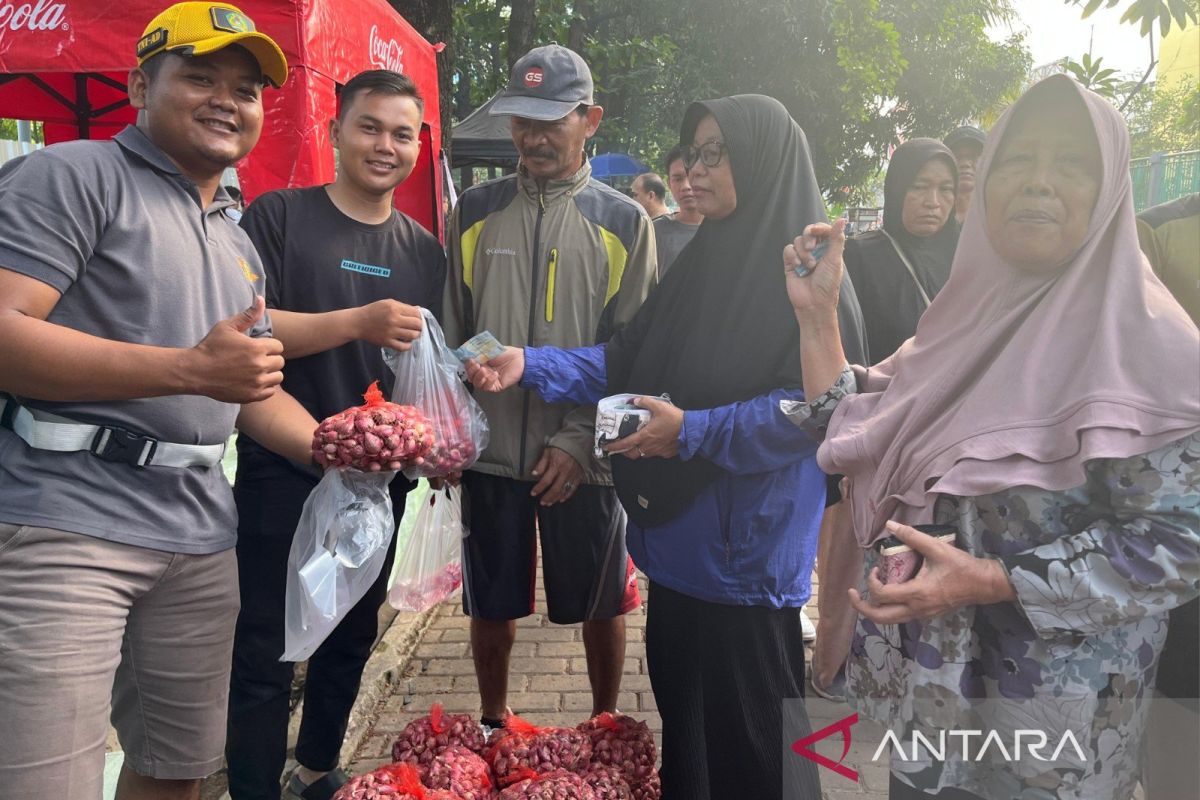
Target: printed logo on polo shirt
{"x": 250, "y": 274}
{"x": 534, "y": 77}
{"x": 366, "y": 269}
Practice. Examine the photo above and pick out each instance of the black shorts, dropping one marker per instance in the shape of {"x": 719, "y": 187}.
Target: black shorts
{"x": 586, "y": 570}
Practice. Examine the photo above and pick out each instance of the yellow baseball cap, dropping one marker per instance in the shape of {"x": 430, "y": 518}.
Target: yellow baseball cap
{"x": 195, "y": 29}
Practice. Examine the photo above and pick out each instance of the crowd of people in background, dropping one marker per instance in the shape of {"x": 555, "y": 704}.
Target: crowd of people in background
{"x": 1002, "y": 381}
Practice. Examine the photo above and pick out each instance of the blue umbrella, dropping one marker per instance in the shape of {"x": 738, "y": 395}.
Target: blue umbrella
{"x": 610, "y": 165}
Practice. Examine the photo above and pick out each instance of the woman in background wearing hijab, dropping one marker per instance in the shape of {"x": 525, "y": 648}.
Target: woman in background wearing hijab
{"x": 898, "y": 269}
{"x": 723, "y": 493}
{"x": 1036, "y": 411}
{"x": 896, "y": 272}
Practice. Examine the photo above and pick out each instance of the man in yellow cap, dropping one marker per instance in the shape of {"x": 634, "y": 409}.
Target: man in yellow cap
{"x": 132, "y": 339}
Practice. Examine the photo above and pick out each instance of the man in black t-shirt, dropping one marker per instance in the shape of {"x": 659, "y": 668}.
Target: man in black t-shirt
{"x": 345, "y": 274}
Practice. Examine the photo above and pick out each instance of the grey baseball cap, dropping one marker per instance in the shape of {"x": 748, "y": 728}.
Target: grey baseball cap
{"x": 965, "y": 133}
{"x": 547, "y": 83}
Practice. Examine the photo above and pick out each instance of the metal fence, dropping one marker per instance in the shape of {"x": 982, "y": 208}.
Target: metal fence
{"x": 1163, "y": 177}
{"x": 10, "y": 149}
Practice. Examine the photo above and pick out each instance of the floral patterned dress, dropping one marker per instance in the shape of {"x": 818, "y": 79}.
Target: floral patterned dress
{"x": 1095, "y": 570}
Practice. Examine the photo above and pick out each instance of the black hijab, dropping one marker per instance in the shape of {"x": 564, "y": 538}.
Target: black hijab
{"x": 934, "y": 253}
{"x": 719, "y": 329}
{"x": 891, "y": 303}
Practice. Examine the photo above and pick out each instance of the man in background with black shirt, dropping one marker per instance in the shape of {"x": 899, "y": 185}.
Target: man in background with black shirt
{"x": 345, "y": 274}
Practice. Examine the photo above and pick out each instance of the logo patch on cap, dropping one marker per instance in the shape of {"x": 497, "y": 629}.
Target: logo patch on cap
{"x": 151, "y": 42}
{"x": 534, "y": 77}
{"x": 226, "y": 19}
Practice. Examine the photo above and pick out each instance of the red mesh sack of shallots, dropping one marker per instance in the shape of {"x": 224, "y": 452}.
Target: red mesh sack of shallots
{"x": 649, "y": 789}
{"x": 341, "y": 540}
{"x": 375, "y": 436}
{"x": 625, "y": 743}
{"x": 393, "y": 782}
{"x": 462, "y": 771}
{"x": 422, "y": 740}
{"x": 555, "y": 785}
{"x": 607, "y": 782}
{"x": 525, "y": 747}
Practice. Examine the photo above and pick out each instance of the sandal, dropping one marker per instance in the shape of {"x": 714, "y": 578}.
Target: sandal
{"x": 322, "y": 788}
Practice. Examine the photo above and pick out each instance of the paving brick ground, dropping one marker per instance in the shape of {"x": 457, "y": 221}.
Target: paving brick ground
{"x": 549, "y": 686}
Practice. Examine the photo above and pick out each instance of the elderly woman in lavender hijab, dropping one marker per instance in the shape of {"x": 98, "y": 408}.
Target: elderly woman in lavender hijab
{"x": 1038, "y": 411}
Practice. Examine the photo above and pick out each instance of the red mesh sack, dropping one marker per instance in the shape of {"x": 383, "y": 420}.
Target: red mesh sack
{"x": 375, "y": 436}
{"x": 393, "y": 782}
{"x": 555, "y": 785}
{"x": 524, "y": 747}
{"x": 625, "y": 743}
{"x": 423, "y": 739}
{"x": 607, "y": 782}
{"x": 462, "y": 771}
{"x": 649, "y": 789}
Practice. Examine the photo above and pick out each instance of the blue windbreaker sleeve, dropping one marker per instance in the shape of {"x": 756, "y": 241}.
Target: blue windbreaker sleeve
{"x": 748, "y": 437}
{"x": 575, "y": 376}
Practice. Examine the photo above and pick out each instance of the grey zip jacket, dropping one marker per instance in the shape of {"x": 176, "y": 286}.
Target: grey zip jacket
{"x": 567, "y": 264}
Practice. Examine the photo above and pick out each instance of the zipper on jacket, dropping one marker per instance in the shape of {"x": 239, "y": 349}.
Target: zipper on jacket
{"x": 533, "y": 296}
{"x": 551, "y": 272}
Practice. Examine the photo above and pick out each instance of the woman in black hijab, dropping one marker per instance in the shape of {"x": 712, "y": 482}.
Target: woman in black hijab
{"x": 898, "y": 270}
{"x": 724, "y": 502}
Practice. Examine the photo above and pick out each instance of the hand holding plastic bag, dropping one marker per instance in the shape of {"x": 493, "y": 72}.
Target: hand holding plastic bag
{"x": 429, "y": 566}
{"x": 338, "y": 551}
{"x": 427, "y": 377}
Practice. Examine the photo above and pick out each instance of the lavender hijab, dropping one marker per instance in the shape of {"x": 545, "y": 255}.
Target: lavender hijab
{"x": 1014, "y": 379}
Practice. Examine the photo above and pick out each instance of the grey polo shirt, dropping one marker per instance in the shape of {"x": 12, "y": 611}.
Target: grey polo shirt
{"x": 121, "y": 234}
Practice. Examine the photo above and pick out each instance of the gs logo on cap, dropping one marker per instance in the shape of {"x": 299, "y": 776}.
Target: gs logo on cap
{"x": 534, "y": 77}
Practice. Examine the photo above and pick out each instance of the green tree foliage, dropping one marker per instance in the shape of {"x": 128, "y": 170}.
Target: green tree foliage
{"x": 8, "y": 130}
{"x": 1146, "y": 12}
{"x": 1159, "y": 120}
{"x": 1164, "y": 120}
{"x": 857, "y": 74}
{"x": 1094, "y": 76}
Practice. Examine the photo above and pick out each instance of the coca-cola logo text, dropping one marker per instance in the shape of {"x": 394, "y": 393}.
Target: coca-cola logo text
{"x": 386, "y": 53}
{"x": 42, "y": 15}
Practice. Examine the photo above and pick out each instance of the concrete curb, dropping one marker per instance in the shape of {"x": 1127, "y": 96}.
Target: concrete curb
{"x": 384, "y": 670}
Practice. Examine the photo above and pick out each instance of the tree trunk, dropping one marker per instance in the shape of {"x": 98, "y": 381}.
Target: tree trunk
{"x": 434, "y": 19}
{"x": 577, "y": 33}
{"x": 520, "y": 29}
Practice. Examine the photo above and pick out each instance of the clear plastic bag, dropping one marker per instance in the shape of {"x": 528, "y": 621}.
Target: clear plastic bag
{"x": 427, "y": 377}
{"x": 429, "y": 566}
{"x": 338, "y": 551}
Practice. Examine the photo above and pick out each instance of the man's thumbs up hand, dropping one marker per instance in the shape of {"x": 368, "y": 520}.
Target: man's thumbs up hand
{"x": 243, "y": 322}
{"x": 232, "y": 367}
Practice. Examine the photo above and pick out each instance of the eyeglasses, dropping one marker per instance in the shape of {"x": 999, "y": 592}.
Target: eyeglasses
{"x": 709, "y": 154}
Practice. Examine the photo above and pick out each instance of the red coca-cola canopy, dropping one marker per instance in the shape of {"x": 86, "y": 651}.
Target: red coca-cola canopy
{"x": 65, "y": 63}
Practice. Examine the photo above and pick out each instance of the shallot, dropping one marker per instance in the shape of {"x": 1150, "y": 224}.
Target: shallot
{"x": 375, "y": 436}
